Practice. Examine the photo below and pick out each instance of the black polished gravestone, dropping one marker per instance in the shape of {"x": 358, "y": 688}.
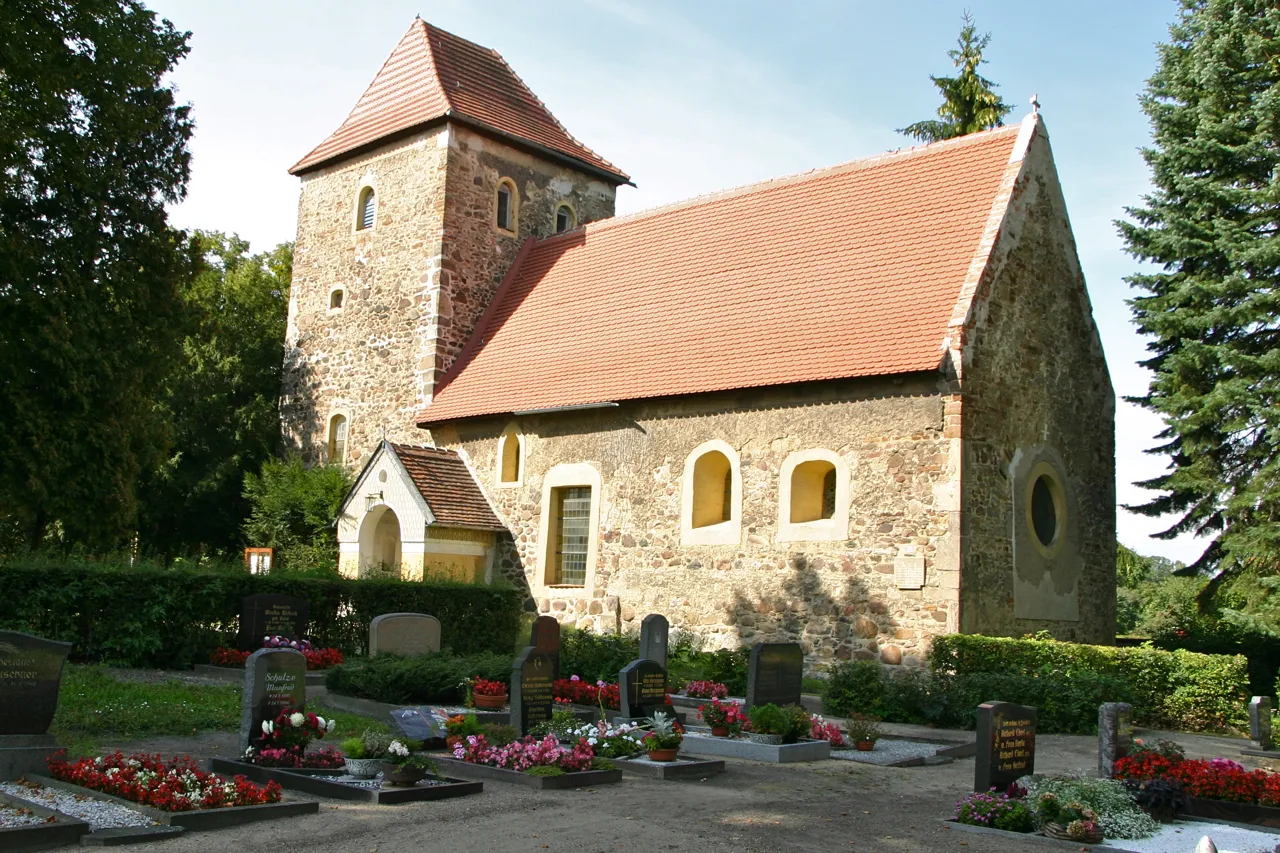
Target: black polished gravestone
{"x": 1006, "y": 745}
{"x": 775, "y": 672}
{"x": 654, "y": 630}
{"x": 533, "y": 674}
{"x": 275, "y": 680}
{"x": 30, "y": 676}
{"x": 270, "y": 616}
{"x": 642, "y": 687}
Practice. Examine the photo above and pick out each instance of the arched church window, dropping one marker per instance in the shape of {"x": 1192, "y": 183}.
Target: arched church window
{"x": 505, "y": 213}
{"x": 565, "y": 220}
{"x": 338, "y": 439}
{"x": 711, "y": 496}
{"x": 367, "y": 208}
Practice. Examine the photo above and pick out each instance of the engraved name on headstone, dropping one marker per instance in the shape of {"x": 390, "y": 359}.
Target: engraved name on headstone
{"x": 30, "y": 676}
{"x": 1006, "y": 745}
{"x": 270, "y": 616}
{"x": 775, "y": 672}
{"x": 275, "y": 680}
{"x": 642, "y": 687}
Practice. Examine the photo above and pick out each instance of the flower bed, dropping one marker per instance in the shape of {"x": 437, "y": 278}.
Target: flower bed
{"x": 1212, "y": 779}
{"x": 706, "y": 690}
{"x": 325, "y": 783}
{"x": 574, "y": 690}
{"x": 316, "y": 658}
{"x": 609, "y": 741}
{"x": 526, "y": 753}
{"x": 173, "y": 786}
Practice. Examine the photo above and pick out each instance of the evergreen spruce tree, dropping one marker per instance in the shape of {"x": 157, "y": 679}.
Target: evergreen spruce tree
{"x": 1212, "y": 305}
{"x": 968, "y": 102}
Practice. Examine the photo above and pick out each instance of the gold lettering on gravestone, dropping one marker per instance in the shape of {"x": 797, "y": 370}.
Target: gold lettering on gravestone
{"x": 653, "y": 685}
{"x": 279, "y": 619}
{"x": 1014, "y": 745}
{"x": 19, "y": 672}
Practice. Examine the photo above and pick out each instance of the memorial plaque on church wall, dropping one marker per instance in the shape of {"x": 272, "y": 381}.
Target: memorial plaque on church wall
{"x": 654, "y": 631}
{"x": 270, "y": 616}
{"x": 642, "y": 687}
{"x": 1006, "y": 745}
{"x": 404, "y": 634}
{"x": 30, "y": 677}
{"x": 775, "y": 673}
{"x": 275, "y": 680}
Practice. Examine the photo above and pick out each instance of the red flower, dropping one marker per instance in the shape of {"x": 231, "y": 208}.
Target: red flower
{"x": 175, "y": 785}
{"x": 485, "y": 687}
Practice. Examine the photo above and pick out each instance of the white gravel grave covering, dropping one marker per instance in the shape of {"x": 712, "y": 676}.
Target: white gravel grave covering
{"x": 1183, "y": 836}
{"x": 10, "y": 818}
{"x": 888, "y": 752}
{"x": 97, "y": 813}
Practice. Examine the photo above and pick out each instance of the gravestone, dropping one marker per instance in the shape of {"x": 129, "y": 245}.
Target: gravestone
{"x": 1260, "y": 722}
{"x": 653, "y": 639}
{"x": 274, "y": 681}
{"x": 642, "y": 687}
{"x": 421, "y": 723}
{"x": 1115, "y": 735}
{"x": 404, "y": 634}
{"x": 269, "y": 616}
{"x": 774, "y": 674}
{"x": 533, "y": 674}
{"x": 30, "y": 676}
{"x": 1006, "y": 745}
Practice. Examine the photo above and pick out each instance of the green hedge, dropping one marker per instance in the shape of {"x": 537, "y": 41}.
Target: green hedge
{"x": 173, "y": 619}
{"x": 1065, "y": 681}
{"x": 417, "y": 679}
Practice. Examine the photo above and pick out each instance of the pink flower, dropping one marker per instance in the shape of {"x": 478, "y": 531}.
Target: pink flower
{"x": 599, "y": 684}
{"x": 574, "y": 678}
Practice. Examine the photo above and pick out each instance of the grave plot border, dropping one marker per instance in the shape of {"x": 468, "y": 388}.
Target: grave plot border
{"x": 42, "y": 836}
{"x": 1245, "y": 814}
{"x": 749, "y": 750}
{"x": 198, "y": 820}
{"x": 235, "y": 675}
{"x": 312, "y": 781}
{"x": 1034, "y": 837}
{"x": 681, "y": 768}
{"x": 484, "y": 772}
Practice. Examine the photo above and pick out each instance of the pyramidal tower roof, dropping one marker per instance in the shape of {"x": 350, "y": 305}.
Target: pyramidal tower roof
{"x": 432, "y": 76}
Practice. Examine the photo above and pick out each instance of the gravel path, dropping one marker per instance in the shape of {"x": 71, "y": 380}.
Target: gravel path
{"x": 887, "y": 752}
{"x": 97, "y": 813}
{"x": 11, "y": 818}
{"x": 1183, "y": 836}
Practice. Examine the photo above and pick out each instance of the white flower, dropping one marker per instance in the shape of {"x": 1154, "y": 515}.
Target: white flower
{"x": 267, "y": 727}
{"x": 296, "y": 719}
{"x": 320, "y": 722}
{"x": 397, "y": 748}
{"x": 330, "y": 726}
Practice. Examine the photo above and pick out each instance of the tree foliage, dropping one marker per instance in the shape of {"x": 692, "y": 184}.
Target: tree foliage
{"x": 969, "y": 102}
{"x": 92, "y": 145}
{"x": 221, "y": 399}
{"x": 292, "y": 509}
{"x": 1211, "y": 307}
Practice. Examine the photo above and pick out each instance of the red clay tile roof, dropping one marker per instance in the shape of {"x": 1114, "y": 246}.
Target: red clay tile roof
{"x": 447, "y": 486}
{"x": 432, "y": 75}
{"x": 849, "y": 271}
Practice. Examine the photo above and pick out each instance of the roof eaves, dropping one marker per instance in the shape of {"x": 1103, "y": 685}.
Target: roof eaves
{"x": 614, "y": 177}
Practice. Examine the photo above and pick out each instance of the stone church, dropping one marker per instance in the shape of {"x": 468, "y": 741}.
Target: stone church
{"x": 856, "y": 407}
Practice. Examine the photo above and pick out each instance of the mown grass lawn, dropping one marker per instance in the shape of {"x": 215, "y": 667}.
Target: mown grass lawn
{"x": 94, "y": 704}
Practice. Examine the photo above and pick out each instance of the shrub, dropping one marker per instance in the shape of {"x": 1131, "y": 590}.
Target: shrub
{"x": 417, "y": 679}
{"x": 769, "y": 720}
{"x": 173, "y": 619}
{"x": 1118, "y": 814}
{"x": 499, "y": 734}
{"x": 799, "y": 723}
{"x": 856, "y": 687}
{"x": 596, "y": 657}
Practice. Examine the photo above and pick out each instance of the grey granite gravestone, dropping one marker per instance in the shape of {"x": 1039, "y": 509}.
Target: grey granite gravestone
{"x": 270, "y": 616}
{"x": 404, "y": 634}
{"x": 275, "y": 680}
{"x": 775, "y": 673}
{"x": 1115, "y": 735}
{"x": 1260, "y": 722}
{"x": 1006, "y": 745}
{"x": 532, "y": 675}
{"x": 654, "y": 630}
{"x": 642, "y": 688}
{"x": 30, "y": 678}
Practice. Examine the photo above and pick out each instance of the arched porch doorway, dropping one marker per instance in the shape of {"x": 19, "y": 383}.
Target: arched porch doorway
{"x": 380, "y": 543}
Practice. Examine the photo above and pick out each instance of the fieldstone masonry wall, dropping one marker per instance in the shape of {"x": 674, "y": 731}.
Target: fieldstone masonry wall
{"x": 1035, "y": 382}
{"x": 415, "y": 284}
{"x": 838, "y": 598}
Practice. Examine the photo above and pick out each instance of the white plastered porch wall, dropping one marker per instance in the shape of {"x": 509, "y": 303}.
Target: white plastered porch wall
{"x": 384, "y": 484}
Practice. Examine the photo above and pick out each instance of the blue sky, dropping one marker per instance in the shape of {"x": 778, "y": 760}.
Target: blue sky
{"x": 694, "y": 97}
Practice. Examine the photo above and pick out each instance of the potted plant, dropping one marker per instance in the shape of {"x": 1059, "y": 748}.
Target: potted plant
{"x": 489, "y": 695}
{"x": 724, "y": 718}
{"x": 664, "y": 737}
{"x": 1068, "y": 821}
{"x": 459, "y": 726}
{"x": 402, "y": 767}
{"x": 800, "y": 723}
{"x": 364, "y": 754}
{"x": 769, "y": 723}
{"x": 864, "y": 732}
